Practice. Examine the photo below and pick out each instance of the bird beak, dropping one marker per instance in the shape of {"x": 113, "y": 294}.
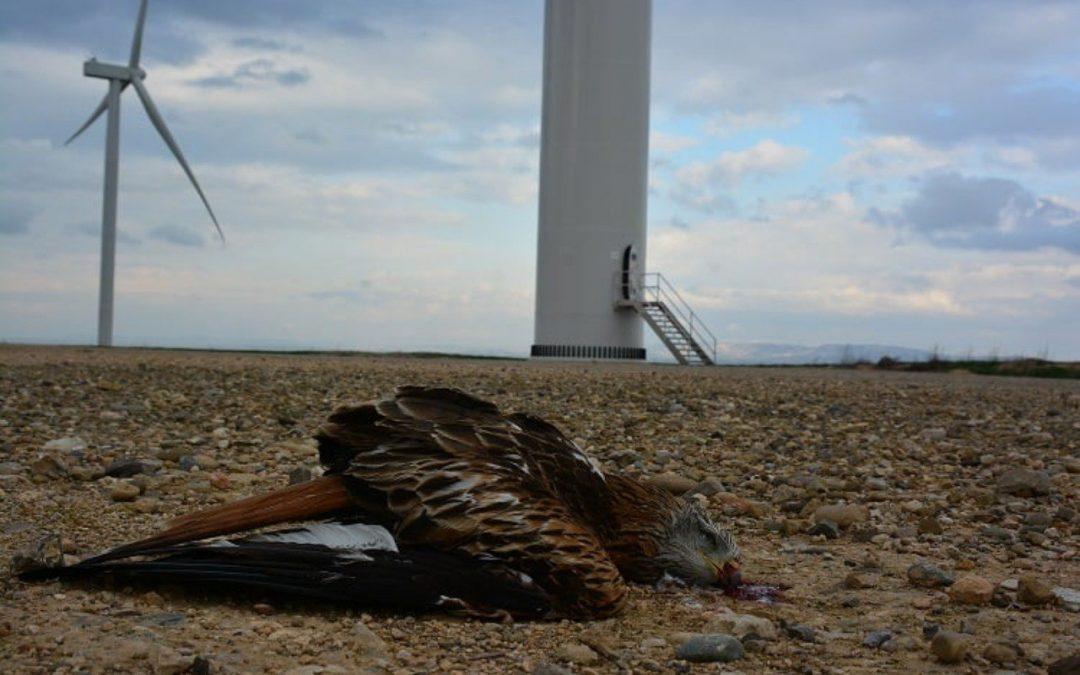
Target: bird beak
{"x": 729, "y": 576}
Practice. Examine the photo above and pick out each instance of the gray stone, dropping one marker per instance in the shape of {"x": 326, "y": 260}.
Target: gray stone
{"x": 926, "y": 575}
{"x": 70, "y": 444}
{"x": 797, "y": 631}
{"x": 1024, "y": 483}
{"x": 825, "y": 527}
{"x": 715, "y": 648}
{"x": 875, "y": 639}
{"x": 548, "y": 668}
{"x": 126, "y": 467}
{"x": 10, "y": 468}
{"x": 300, "y": 474}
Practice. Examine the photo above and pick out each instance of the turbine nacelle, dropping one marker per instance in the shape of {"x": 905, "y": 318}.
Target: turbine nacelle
{"x": 111, "y": 71}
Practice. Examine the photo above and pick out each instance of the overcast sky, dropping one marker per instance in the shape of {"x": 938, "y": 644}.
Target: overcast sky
{"x": 904, "y": 173}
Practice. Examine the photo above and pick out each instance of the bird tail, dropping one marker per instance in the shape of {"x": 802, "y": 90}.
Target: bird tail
{"x": 319, "y": 498}
{"x": 416, "y": 580}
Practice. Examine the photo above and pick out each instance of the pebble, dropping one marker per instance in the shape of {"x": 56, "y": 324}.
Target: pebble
{"x": 127, "y": 467}
{"x": 548, "y": 668}
{"x": 146, "y": 504}
{"x": 949, "y": 647}
{"x": 1067, "y": 665}
{"x": 671, "y": 482}
{"x": 708, "y": 487}
{"x": 1024, "y": 483}
{"x": 125, "y": 492}
{"x": 1031, "y": 590}
{"x": 798, "y": 631}
{"x": 876, "y": 638}
{"x": 300, "y": 474}
{"x": 926, "y": 575}
{"x": 367, "y": 641}
{"x": 844, "y": 515}
{"x": 971, "y": 590}
{"x": 714, "y": 648}
{"x": 575, "y": 652}
{"x": 860, "y": 580}
{"x": 1001, "y": 653}
{"x": 930, "y": 525}
{"x": 825, "y": 528}
{"x": 68, "y": 444}
{"x": 742, "y": 625}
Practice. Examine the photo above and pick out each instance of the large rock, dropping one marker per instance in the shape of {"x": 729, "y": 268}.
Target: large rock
{"x": 949, "y": 647}
{"x": 716, "y": 648}
{"x": 971, "y": 590}
{"x": 1024, "y": 483}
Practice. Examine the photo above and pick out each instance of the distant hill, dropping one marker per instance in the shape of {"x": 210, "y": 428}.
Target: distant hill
{"x": 765, "y": 353}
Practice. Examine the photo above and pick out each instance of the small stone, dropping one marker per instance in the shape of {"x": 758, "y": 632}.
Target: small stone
{"x": 1031, "y": 590}
{"x": 125, "y": 492}
{"x": 170, "y": 453}
{"x": 926, "y": 575}
{"x": 906, "y": 532}
{"x": 367, "y": 641}
{"x": 930, "y": 525}
{"x": 648, "y": 644}
{"x": 220, "y": 481}
{"x": 875, "y": 639}
{"x": 671, "y": 482}
{"x": 1001, "y": 653}
{"x": 126, "y": 467}
{"x": 263, "y": 608}
{"x": 933, "y": 433}
{"x": 826, "y": 528}
{"x": 10, "y": 468}
{"x": 188, "y": 463}
{"x": 1067, "y": 665}
{"x": 146, "y": 505}
{"x": 997, "y": 533}
{"x": 797, "y": 631}
{"x": 742, "y": 625}
{"x": 715, "y": 648}
{"x": 300, "y": 474}
{"x": 49, "y": 466}
{"x": 1024, "y": 483}
{"x": 548, "y": 668}
{"x": 860, "y": 580}
{"x": 971, "y": 590}
{"x": 72, "y": 444}
{"x": 949, "y": 647}
{"x": 708, "y": 487}
{"x": 900, "y": 643}
{"x": 575, "y": 652}
{"x": 844, "y": 515}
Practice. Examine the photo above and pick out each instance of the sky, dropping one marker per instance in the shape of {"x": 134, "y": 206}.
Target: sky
{"x": 902, "y": 173}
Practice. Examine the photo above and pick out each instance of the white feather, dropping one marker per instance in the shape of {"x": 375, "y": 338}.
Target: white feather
{"x": 354, "y": 537}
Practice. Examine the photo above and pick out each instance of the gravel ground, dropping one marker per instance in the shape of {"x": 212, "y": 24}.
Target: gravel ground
{"x": 918, "y": 519}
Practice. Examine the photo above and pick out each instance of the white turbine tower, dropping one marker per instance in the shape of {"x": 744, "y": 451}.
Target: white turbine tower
{"x": 119, "y": 78}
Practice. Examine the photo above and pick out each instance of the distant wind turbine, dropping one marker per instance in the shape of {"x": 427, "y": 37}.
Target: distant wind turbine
{"x": 119, "y": 78}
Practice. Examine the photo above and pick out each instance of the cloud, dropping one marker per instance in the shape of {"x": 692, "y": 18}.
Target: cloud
{"x": 661, "y": 142}
{"x": 175, "y": 234}
{"x": 702, "y": 185}
{"x": 952, "y": 210}
{"x": 94, "y": 230}
{"x": 15, "y": 218}
{"x": 259, "y": 71}
{"x": 256, "y": 43}
{"x": 892, "y": 156}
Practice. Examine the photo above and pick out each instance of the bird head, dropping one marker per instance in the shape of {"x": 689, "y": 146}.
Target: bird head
{"x": 699, "y": 552}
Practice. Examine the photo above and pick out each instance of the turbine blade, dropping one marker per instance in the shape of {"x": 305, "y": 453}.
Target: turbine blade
{"x": 136, "y": 43}
{"x": 102, "y": 107}
{"x": 159, "y": 124}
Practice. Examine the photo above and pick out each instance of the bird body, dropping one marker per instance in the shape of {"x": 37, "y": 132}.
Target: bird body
{"x": 452, "y": 479}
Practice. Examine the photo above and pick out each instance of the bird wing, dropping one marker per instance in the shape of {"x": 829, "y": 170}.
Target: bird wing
{"x": 356, "y": 564}
{"x": 457, "y": 474}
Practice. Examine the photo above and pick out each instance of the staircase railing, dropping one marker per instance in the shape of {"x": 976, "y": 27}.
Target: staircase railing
{"x": 653, "y": 287}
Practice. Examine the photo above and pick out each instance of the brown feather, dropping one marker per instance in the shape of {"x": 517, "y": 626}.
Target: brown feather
{"x": 313, "y": 499}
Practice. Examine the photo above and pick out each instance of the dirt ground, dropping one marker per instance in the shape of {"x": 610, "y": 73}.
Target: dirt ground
{"x": 976, "y": 477}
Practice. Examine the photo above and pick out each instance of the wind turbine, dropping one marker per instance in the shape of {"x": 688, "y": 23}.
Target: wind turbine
{"x": 119, "y": 78}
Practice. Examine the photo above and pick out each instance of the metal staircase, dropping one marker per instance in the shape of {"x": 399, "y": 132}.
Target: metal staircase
{"x": 678, "y": 327}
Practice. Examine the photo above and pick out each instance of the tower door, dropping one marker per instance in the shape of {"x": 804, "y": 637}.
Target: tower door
{"x": 631, "y": 276}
